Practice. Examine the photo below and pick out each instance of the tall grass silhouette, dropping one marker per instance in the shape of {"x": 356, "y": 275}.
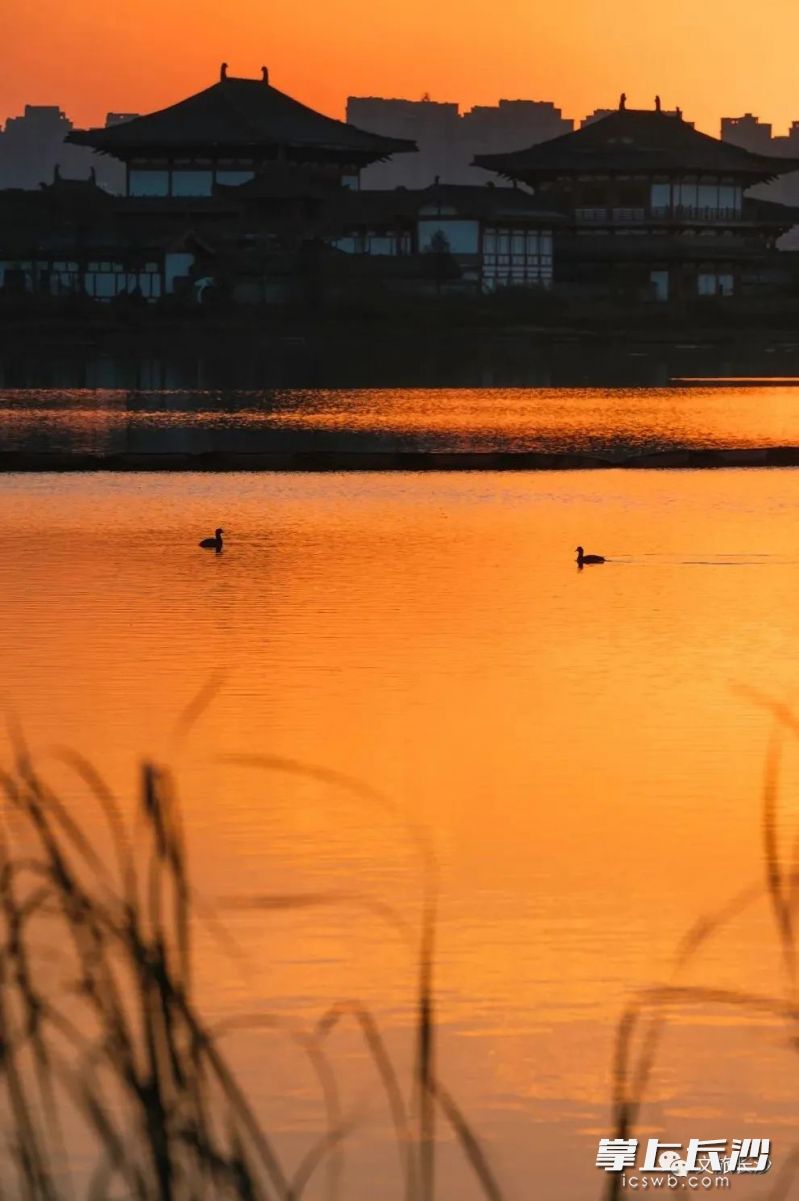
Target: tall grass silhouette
{"x": 644, "y": 1020}
{"x": 100, "y": 1021}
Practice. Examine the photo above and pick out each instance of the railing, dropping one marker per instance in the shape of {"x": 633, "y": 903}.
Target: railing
{"x": 692, "y": 212}
{"x": 680, "y": 212}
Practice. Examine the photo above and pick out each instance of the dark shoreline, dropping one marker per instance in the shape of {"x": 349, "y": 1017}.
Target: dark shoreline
{"x": 430, "y": 343}
{"x": 395, "y": 460}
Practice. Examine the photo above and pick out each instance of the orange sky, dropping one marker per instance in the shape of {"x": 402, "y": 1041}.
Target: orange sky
{"x": 711, "y": 57}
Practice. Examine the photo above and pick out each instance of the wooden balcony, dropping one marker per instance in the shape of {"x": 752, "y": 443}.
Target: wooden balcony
{"x": 678, "y": 214}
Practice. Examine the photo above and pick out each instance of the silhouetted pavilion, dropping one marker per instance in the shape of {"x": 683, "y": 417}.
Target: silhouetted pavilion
{"x": 655, "y": 206}
{"x": 230, "y": 132}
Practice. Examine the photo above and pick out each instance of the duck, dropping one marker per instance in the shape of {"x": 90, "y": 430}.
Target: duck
{"x": 214, "y": 543}
{"x": 583, "y": 558}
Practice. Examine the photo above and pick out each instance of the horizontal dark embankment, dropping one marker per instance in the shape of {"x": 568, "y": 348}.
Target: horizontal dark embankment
{"x": 395, "y": 460}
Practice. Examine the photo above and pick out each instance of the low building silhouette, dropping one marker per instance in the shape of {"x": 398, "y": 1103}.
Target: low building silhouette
{"x": 237, "y": 189}
{"x": 72, "y": 238}
{"x": 240, "y": 192}
{"x": 227, "y": 134}
{"x": 490, "y": 237}
{"x": 656, "y": 208}
{"x": 284, "y": 235}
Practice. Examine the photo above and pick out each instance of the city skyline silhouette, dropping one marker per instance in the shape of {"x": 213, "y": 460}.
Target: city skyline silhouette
{"x": 581, "y": 56}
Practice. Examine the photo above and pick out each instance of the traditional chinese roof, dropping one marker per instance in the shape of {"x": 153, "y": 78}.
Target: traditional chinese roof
{"x": 770, "y": 212}
{"x": 241, "y": 116}
{"x": 636, "y": 140}
{"x": 66, "y": 218}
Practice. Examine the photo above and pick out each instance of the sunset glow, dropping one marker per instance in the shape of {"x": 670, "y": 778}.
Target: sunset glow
{"x": 399, "y": 561}
{"x": 367, "y": 614}
{"x": 711, "y": 59}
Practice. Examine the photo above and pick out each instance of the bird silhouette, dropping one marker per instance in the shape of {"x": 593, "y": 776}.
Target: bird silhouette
{"x": 583, "y": 558}
{"x": 214, "y": 543}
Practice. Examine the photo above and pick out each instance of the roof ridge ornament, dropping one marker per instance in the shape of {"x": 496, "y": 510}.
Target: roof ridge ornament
{"x": 622, "y": 102}
{"x": 265, "y": 74}
{"x": 242, "y": 118}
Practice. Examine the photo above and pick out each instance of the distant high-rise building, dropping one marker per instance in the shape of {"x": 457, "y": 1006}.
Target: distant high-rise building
{"x": 447, "y": 139}
{"x": 756, "y": 135}
{"x": 32, "y": 146}
{"x": 596, "y": 115}
{"x": 747, "y": 131}
{"x": 431, "y": 124}
{"x": 509, "y": 125}
{"x": 788, "y": 144}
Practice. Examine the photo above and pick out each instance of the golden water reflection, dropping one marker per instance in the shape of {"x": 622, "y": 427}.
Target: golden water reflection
{"x": 575, "y": 743}
{"x": 602, "y": 420}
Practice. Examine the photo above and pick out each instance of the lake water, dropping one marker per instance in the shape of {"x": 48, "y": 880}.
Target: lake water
{"x": 607, "y": 421}
{"x": 581, "y": 748}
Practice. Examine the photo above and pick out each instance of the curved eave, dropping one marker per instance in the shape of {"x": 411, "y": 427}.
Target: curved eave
{"x": 98, "y": 141}
{"x": 762, "y": 171}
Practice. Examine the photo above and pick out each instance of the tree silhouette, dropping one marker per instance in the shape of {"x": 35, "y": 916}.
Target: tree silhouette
{"x": 442, "y": 262}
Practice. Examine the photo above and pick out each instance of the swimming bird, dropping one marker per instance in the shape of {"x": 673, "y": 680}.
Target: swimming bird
{"x": 582, "y": 558}
{"x": 214, "y": 543}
